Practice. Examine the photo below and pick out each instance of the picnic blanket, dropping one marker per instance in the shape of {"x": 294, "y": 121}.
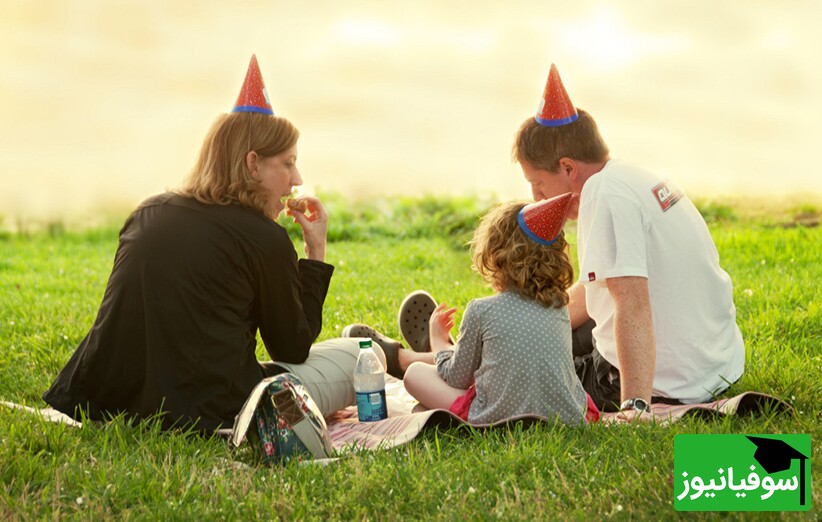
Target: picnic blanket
{"x": 406, "y": 419}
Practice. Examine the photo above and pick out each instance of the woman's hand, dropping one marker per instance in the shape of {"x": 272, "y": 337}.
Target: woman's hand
{"x": 310, "y": 214}
{"x": 439, "y": 327}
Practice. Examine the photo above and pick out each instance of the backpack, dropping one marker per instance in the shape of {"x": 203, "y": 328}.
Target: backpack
{"x": 282, "y": 422}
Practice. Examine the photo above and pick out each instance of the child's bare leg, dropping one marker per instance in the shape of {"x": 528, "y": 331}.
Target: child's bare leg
{"x": 424, "y": 383}
{"x": 407, "y": 357}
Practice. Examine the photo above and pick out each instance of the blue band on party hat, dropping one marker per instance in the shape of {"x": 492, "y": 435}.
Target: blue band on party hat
{"x": 556, "y": 123}
{"x": 252, "y": 108}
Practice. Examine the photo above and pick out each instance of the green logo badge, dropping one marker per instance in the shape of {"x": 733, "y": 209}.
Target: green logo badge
{"x": 742, "y": 472}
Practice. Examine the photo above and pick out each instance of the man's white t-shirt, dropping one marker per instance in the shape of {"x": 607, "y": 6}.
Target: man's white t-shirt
{"x": 631, "y": 223}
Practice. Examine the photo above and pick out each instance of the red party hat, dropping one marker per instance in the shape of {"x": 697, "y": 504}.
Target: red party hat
{"x": 253, "y": 96}
{"x": 543, "y": 221}
{"x": 555, "y": 108}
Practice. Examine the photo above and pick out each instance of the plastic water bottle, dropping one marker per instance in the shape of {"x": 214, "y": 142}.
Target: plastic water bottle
{"x": 369, "y": 384}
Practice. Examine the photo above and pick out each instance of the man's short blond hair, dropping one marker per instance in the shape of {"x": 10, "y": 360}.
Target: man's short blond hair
{"x": 542, "y": 147}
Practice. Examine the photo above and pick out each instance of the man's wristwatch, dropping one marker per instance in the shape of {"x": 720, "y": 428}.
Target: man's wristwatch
{"x": 637, "y": 404}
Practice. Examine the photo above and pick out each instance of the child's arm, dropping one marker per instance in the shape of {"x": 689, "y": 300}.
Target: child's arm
{"x": 457, "y": 363}
{"x": 439, "y": 328}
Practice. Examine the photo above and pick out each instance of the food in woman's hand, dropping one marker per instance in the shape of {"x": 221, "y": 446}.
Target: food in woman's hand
{"x": 300, "y": 205}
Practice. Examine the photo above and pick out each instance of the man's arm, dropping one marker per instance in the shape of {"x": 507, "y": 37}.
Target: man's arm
{"x": 634, "y": 334}
{"x": 576, "y": 306}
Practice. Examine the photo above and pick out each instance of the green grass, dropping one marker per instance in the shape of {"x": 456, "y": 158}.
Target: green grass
{"x": 51, "y": 284}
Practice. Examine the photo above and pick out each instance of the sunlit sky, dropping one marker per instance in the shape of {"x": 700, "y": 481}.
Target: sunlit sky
{"x": 105, "y": 103}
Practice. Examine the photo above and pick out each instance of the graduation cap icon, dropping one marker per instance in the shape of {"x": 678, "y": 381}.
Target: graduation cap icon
{"x": 775, "y": 455}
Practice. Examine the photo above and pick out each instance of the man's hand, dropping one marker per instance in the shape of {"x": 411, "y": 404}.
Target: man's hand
{"x": 629, "y": 416}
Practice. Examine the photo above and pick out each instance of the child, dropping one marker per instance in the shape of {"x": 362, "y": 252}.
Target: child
{"x": 513, "y": 356}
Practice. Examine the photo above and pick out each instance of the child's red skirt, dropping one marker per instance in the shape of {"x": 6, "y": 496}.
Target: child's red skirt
{"x": 462, "y": 404}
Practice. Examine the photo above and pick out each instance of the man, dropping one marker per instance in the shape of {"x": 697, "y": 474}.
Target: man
{"x": 665, "y": 323}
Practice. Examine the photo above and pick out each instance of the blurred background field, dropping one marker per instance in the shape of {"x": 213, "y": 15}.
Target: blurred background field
{"x": 419, "y": 216}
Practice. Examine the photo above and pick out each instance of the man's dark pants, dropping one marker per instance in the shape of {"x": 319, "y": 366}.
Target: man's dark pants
{"x": 598, "y": 377}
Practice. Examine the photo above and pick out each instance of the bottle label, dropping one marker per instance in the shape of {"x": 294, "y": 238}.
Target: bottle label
{"x": 371, "y": 406}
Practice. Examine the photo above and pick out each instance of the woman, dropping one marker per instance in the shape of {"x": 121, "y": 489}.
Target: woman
{"x": 197, "y": 273}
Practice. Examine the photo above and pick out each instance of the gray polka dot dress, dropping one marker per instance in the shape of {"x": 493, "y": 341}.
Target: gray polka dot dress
{"x": 518, "y": 353}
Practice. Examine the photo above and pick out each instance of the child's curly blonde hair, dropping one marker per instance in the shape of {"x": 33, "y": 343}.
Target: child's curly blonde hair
{"x": 507, "y": 259}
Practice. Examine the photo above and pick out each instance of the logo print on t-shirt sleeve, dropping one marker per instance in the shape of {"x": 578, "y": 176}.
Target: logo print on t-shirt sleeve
{"x": 665, "y": 196}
